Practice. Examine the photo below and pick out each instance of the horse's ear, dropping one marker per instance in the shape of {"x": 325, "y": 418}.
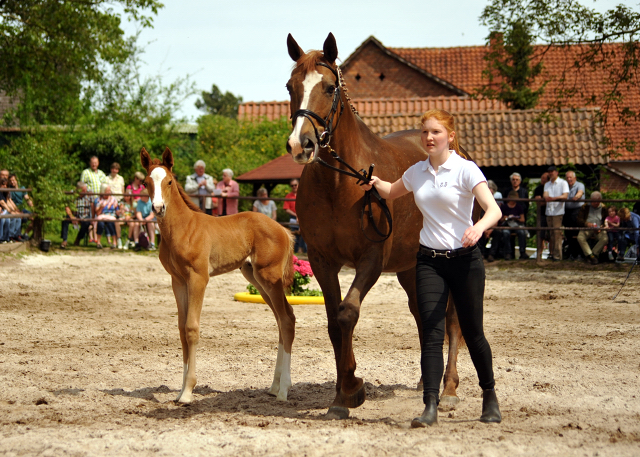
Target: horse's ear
{"x": 330, "y": 48}
{"x": 167, "y": 158}
{"x": 145, "y": 160}
{"x": 295, "y": 51}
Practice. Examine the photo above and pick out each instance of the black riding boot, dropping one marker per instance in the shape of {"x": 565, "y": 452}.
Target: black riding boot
{"x": 429, "y": 415}
{"x": 490, "y": 408}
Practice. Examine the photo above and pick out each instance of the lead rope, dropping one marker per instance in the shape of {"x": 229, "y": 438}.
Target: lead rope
{"x": 625, "y": 281}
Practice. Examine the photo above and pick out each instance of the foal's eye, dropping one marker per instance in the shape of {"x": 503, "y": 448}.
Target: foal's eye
{"x": 170, "y": 182}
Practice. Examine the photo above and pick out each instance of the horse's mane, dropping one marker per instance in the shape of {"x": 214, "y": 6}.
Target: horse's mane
{"x": 309, "y": 60}
{"x": 187, "y": 199}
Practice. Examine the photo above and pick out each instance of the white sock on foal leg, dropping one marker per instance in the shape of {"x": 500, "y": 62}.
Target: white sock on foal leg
{"x": 285, "y": 376}
{"x": 184, "y": 379}
{"x": 275, "y": 385}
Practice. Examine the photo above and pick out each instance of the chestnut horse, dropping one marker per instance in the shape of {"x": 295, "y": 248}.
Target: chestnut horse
{"x": 329, "y": 208}
{"x": 196, "y": 246}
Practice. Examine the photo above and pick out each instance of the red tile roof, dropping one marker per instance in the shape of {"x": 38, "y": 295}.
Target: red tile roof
{"x": 463, "y": 67}
{"x": 281, "y": 169}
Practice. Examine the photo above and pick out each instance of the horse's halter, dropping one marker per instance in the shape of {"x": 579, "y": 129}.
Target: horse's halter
{"x": 363, "y": 176}
{"x": 326, "y": 123}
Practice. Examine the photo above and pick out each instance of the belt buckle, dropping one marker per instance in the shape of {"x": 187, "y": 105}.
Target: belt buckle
{"x": 446, "y": 254}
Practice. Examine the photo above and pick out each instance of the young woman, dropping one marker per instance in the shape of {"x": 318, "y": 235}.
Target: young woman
{"x": 444, "y": 187}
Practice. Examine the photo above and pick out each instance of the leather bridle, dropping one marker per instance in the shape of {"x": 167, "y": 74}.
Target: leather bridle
{"x": 362, "y": 176}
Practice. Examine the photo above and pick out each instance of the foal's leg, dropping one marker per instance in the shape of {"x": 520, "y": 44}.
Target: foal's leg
{"x": 247, "y": 272}
{"x": 182, "y": 300}
{"x": 451, "y": 379}
{"x": 407, "y": 280}
{"x": 196, "y": 285}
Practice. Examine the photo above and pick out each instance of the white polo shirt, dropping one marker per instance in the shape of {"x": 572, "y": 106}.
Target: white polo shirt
{"x": 555, "y": 189}
{"x": 444, "y": 198}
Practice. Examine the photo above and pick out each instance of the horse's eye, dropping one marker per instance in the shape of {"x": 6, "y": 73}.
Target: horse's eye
{"x": 331, "y": 89}
{"x": 170, "y": 182}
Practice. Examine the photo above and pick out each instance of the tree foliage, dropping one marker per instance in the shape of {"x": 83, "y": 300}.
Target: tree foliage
{"x": 509, "y": 68}
{"x": 215, "y": 102}
{"x": 49, "y": 50}
{"x": 566, "y": 23}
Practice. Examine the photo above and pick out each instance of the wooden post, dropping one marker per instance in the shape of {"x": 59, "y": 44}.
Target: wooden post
{"x": 539, "y": 240}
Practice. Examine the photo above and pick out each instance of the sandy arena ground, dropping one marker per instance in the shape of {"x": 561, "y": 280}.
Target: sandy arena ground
{"x": 90, "y": 364}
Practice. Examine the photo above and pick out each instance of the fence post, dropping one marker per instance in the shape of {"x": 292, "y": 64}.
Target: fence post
{"x": 539, "y": 240}
{"x": 38, "y": 231}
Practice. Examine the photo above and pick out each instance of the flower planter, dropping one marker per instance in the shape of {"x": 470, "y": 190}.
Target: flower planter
{"x": 292, "y": 299}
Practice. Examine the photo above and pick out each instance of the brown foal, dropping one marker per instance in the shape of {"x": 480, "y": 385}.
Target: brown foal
{"x": 196, "y": 246}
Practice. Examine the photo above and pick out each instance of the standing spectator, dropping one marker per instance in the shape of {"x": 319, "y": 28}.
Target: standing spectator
{"x": 144, "y": 214}
{"x": 93, "y": 176}
{"x": 264, "y": 205}
{"x": 228, "y": 188}
{"x": 4, "y": 173}
{"x": 554, "y": 190}
{"x": 106, "y": 207}
{"x": 116, "y": 182}
{"x": 290, "y": 209}
{"x": 203, "y": 184}
{"x": 571, "y": 210}
{"x": 136, "y": 187}
{"x": 538, "y": 194}
{"x": 10, "y": 226}
{"x": 592, "y": 215}
{"x": 523, "y": 192}
{"x": 22, "y": 200}
{"x": 83, "y": 210}
{"x": 612, "y": 221}
{"x": 628, "y": 219}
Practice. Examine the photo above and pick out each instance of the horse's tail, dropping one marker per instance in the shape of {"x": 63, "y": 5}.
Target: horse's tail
{"x": 287, "y": 273}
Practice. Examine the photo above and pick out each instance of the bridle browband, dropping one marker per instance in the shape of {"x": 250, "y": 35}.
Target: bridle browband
{"x": 323, "y": 140}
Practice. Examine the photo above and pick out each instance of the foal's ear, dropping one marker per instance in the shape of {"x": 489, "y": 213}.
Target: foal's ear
{"x": 145, "y": 160}
{"x": 330, "y": 48}
{"x": 167, "y": 158}
{"x": 295, "y": 51}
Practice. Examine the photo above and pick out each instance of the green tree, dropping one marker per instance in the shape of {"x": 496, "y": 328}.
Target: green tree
{"x": 49, "y": 50}
{"x": 215, "y": 102}
{"x": 568, "y": 23}
{"x": 509, "y": 68}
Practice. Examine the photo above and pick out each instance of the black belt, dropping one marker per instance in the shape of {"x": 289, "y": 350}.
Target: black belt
{"x": 447, "y": 253}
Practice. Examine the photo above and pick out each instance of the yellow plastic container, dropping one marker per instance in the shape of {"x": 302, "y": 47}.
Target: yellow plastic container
{"x": 293, "y": 300}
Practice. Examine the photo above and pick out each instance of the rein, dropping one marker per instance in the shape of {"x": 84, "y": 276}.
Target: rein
{"x": 362, "y": 176}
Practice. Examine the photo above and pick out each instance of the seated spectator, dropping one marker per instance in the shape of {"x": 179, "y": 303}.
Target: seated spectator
{"x": 592, "y": 215}
{"x": 612, "y": 221}
{"x": 22, "y": 200}
{"x": 146, "y": 217}
{"x": 105, "y": 209}
{"x": 494, "y": 190}
{"x": 628, "y": 219}
{"x": 127, "y": 215}
{"x": 11, "y": 228}
{"x": 264, "y": 205}
{"x": 512, "y": 216}
{"x": 136, "y": 187}
{"x": 202, "y": 184}
{"x": 83, "y": 208}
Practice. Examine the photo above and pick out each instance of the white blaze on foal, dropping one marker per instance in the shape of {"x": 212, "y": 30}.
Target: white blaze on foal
{"x": 310, "y": 81}
{"x": 157, "y": 175}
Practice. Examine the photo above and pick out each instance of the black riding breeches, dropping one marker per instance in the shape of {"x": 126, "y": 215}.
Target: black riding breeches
{"x": 464, "y": 276}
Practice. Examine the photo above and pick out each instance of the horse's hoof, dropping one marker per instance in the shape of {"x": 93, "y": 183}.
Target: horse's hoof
{"x": 448, "y": 402}
{"x": 352, "y": 400}
{"x": 337, "y": 413}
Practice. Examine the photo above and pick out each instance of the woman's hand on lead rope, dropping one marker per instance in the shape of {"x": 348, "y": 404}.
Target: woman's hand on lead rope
{"x": 471, "y": 236}
{"x": 386, "y": 189}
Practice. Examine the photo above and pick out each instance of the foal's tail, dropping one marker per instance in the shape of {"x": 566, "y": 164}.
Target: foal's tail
{"x": 287, "y": 273}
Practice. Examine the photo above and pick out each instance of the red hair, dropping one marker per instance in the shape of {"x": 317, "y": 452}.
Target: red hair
{"x": 448, "y": 122}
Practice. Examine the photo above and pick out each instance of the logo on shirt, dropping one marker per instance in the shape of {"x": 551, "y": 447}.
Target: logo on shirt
{"x": 443, "y": 184}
